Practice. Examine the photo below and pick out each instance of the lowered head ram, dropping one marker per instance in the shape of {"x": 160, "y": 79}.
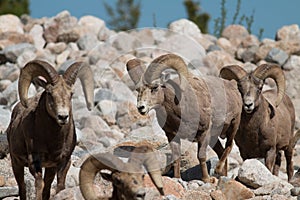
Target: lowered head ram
{"x": 126, "y": 178}
{"x": 41, "y": 133}
{"x": 268, "y": 117}
{"x": 189, "y": 107}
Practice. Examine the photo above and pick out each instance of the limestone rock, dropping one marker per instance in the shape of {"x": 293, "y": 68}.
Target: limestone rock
{"x": 255, "y": 174}
{"x": 10, "y": 23}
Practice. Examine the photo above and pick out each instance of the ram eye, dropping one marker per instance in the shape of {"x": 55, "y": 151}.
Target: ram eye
{"x": 135, "y": 182}
{"x": 117, "y": 182}
{"x": 154, "y": 88}
{"x": 259, "y": 89}
{"x": 239, "y": 85}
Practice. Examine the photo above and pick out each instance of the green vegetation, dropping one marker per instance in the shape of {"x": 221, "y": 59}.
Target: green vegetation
{"x": 247, "y": 21}
{"x": 194, "y": 13}
{"x": 125, "y": 15}
{"x": 201, "y": 19}
{"x": 16, "y": 7}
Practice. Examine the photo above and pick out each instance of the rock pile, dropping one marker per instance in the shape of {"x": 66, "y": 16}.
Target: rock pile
{"x": 115, "y": 119}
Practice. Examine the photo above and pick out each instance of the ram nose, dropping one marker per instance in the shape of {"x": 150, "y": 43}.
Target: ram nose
{"x": 63, "y": 119}
{"x": 248, "y": 107}
{"x": 140, "y": 195}
{"x": 142, "y": 108}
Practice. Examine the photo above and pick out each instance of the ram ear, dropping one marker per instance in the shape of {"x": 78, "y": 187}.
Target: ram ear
{"x": 177, "y": 90}
{"x": 40, "y": 82}
{"x": 106, "y": 176}
{"x": 165, "y": 77}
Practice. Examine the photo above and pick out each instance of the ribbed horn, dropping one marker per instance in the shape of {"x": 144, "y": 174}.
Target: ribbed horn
{"x": 146, "y": 155}
{"x": 233, "y": 72}
{"x": 296, "y": 138}
{"x": 91, "y": 166}
{"x": 82, "y": 71}
{"x": 164, "y": 62}
{"x": 136, "y": 68}
{"x": 153, "y": 167}
{"x": 275, "y": 72}
{"x": 32, "y": 70}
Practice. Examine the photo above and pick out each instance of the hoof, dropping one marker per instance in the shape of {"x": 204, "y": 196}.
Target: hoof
{"x": 220, "y": 170}
{"x": 212, "y": 180}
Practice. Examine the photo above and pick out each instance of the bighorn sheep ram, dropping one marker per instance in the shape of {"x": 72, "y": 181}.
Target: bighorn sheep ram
{"x": 268, "y": 117}
{"x": 184, "y": 108}
{"x": 126, "y": 178}
{"x": 41, "y": 132}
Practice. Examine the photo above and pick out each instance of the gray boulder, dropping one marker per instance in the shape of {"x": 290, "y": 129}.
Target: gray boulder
{"x": 255, "y": 174}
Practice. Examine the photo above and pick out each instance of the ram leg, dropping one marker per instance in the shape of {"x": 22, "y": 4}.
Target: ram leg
{"x": 277, "y": 164}
{"x": 61, "y": 175}
{"x": 39, "y": 185}
{"x": 270, "y": 158}
{"x": 202, "y": 147}
{"x": 289, "y": 162}
{"x": 19, "y": 175}
{"x": 221, "y": 167}
{"x": 176, "y": 153}
{"x": 48, "y": 179}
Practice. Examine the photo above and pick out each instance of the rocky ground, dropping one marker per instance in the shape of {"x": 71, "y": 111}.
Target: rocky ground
{"x": 114, "y": 121}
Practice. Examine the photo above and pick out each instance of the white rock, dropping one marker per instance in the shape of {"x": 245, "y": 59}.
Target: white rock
{"x": 88, "y": 42}
{"x": 186, "y": 27}
{"x": 292, "y": 63}
{"x": 277, "y": 187}
{"x": 182, "y": 45}
{"x": 69, "y": 193}
{"x": 91, "y": 24}
{"x": 122, "y": 92}
{"x": 255, "y": 174}
{"x": 72, "y": 178}
{"x": 4, "y": 118}
{"x": 10, "y": 94}
{"x": 37, "y": 34}
{"x": 61, "y": 58}
{"x": 10, "y": 23}
{"x": 124, "y": 42}
{"x": 8, "y": 191}
{"x": 96, "y": 123}
{"x": 25, "y": 57}
{"x": 290, "y": 32}
{"x": 108, "y": 110}
{"x": 4, "y": 83}
{"x": 56, "y": 48}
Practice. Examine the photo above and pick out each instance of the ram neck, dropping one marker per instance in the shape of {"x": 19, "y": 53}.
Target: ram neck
{"x": 254, "y": 120}
{"x": 250, "y": 133}
{"x": 179, "y": 117}
{"x": 49, "y": 137}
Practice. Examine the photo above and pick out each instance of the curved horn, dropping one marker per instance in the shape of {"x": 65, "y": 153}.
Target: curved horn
{"x": 136, "y": 69}
{"x": 32, "y": 70}
{"x": 233, "y": 72}
{"x": 164, "y": 62}
{"x": 91, "y": 166}
{"x": 82, "y": 71}
{"x": 272, "y": 71}
{"x": 295, "y": 138}
{"x": 146, "y": 155}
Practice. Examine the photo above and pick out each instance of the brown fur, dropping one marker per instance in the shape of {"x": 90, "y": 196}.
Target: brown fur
{"x": 267, "y": 125}
{"x": 191, "y": 114}
{"x": 29, "y": 133}
{"x": 41, "y": 133}
{"x": 267, "y": 131}
{"x": 127, "y": 178}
